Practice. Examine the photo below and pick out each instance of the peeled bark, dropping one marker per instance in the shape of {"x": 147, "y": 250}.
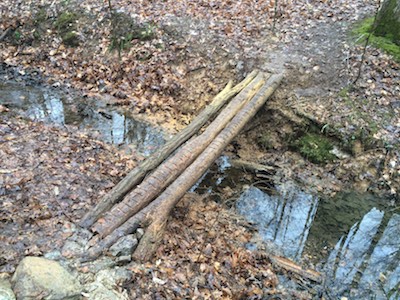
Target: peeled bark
{"x": 170, "y": 169}
{"x": 137, "y": 174}
{"x": 155, "y": 215}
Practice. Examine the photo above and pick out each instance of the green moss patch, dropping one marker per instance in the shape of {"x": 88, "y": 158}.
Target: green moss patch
{"x": 316, "y": 148}
{"x": 124, "y": 30}
{"x": 65, "y": 21}
{"x": 65, "y": 24}
{"x": 264, "y": 141}
{"x": 365, "y": 27}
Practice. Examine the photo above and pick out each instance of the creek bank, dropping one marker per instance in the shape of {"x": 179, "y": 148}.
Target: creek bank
{"x": 346, "y": 237}
{"x": 92, "y": 116}
{"x": 283, "y": 126}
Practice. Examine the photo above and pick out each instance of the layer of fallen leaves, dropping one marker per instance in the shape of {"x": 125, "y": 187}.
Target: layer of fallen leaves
{"x": 49, "y": 177}
{"x": 199, "y": 45}
{"x": 202, "y": 256}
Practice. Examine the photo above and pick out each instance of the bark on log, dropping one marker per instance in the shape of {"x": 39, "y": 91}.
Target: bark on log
{"x": 156, "y": 214}
{"x": 254, "y": 167}
{"x": 171, "y": 196}
{"x": 170, "y": 169}
{"x": 289, "y": 265}
{"x": 136, "y": 175}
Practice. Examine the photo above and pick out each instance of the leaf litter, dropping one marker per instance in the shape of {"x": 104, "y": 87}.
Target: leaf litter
{"x": 50, "y": 176}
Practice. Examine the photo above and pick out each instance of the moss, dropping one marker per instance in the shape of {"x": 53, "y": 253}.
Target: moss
{"x": 344, "y": 92}
{"x": 17, "y": 35}
{"x": 40, "y": 17}
{"x": 365, "y": 27}
{"x": 125, "y": 29}
{"x": 315, "y": 148}
{"x": 388, "y": 22}
{"x": 264, "y": 141}
{"x": 65, "y": 25}
{"x": 65, "y": 22}
{"x": 71, "y": 39}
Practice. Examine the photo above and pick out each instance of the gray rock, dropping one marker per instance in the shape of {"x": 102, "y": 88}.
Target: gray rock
{"x": 37, "y": 277}
{"x": 104, "y": 286}
{"x": 123, "y": 260}
{"x": 53, "y": 255}
{"x": 139, "y": 233}
{"x": 72, "y": 249}
{"x": 100, "y": 264}
{"x": 124, "y": 246}
{"x": 6, "y": 292}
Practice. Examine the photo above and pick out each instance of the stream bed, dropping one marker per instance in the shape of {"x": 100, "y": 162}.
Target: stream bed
{"x": 53, "y": 106}
{"x": 352, "y": 239}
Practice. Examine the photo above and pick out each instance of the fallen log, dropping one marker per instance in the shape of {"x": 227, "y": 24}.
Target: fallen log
{"x": 170, "y": 169}
{"x": 251, "y": 166}
{"x": 155, "y": 215}
{"x": 137, "y": 174}
{"x": 291, "y": 266}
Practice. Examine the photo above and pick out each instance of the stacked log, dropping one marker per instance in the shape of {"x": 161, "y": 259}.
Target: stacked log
{"x": 149, "y": 204}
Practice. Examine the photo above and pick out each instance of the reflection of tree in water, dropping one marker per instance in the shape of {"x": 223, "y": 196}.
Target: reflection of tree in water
{"x": 367, "y": 259}
{"x": 284, "y": 220}
{"x": 114, "y": 127}
{"x": 366, "y": 243}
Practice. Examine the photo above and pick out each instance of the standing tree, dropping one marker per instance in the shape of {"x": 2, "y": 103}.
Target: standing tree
{"x": 388, "y": 21}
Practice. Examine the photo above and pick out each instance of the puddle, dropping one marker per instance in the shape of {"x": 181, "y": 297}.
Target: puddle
{"x": 353, "y": 239}
{"x": 49, "y": 105}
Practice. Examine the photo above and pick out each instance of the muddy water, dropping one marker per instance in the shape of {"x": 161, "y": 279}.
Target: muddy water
{"x": 50, "y": 105}
{"x": 353, "y": 239}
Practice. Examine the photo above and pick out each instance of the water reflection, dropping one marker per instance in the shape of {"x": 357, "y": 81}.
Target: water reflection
{"x": 51, "y": 106}
{"x": 285, "y": 220}
{"x": 363, "y": 262}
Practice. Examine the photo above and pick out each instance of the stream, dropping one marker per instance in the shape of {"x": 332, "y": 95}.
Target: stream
{"x": 52, "y": 106}
{"x": 351, "y": 238}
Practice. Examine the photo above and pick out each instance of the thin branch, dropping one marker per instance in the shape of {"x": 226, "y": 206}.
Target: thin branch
{"x": 367, "y": 42}
{"x": 275, "y": 15}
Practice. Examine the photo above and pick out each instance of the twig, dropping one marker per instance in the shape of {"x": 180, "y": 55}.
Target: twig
{"x": 366, "y": 43}
{"x": 5, "y": 33}
{"x": 275, "y": 15}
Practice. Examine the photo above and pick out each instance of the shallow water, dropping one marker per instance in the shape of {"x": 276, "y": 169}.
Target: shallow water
{"x": 354, "y": 239}
{"x": 50, "y": 105}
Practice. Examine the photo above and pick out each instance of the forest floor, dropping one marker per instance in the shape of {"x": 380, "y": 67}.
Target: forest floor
{"x": 169, "y": 59}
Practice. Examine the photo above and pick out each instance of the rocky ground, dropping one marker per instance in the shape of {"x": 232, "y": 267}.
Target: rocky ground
{"x": 182, "y": 53}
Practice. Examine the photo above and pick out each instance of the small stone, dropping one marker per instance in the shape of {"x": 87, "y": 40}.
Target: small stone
{"x": 124, "y": 246}
{"x": 316, "y": 68}
{"x": 6, "y": 292}
{"x": 53, "y": 255}
{"x": 72, "y": 249}
{"x": 37, "y": 278}
{"x": 122, "y": 260}
{"x": 139, "y": 233}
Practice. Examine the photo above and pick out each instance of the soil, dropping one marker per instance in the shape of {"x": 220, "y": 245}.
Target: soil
{"x": 198, "y": 48}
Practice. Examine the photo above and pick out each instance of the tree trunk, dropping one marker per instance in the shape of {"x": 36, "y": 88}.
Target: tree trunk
{"x": 155, "y": 215}
{"x": 170, "y": 169}
{"x": 388, "y": 21}
{"x": 137, "y": 174}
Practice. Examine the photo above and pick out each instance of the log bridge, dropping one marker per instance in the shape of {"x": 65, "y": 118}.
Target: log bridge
{"x": 147, "y": 195}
